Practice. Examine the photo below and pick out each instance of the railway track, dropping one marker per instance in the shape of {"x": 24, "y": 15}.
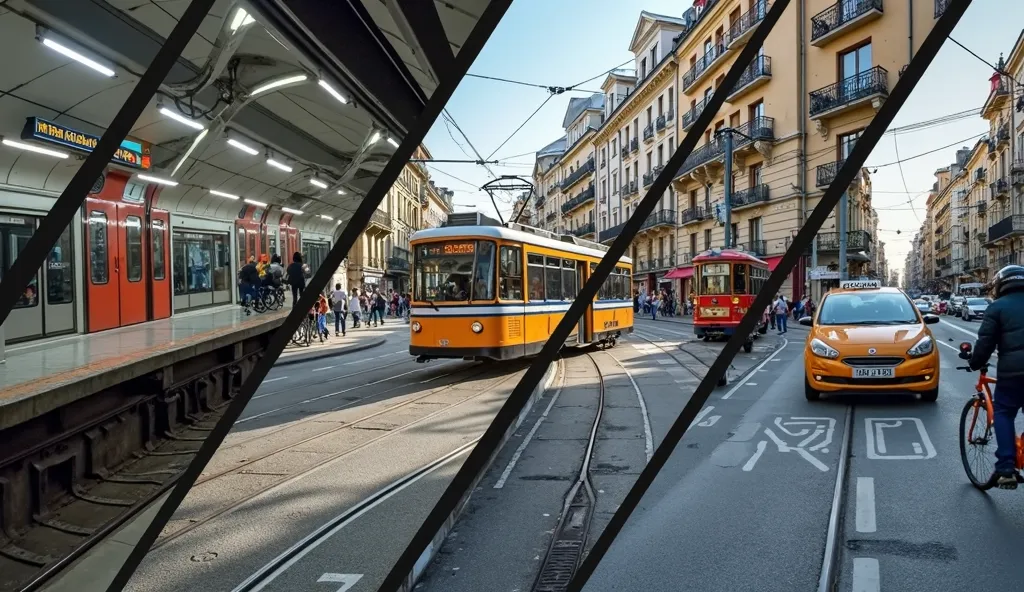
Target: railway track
{"x": 31, "y": 557}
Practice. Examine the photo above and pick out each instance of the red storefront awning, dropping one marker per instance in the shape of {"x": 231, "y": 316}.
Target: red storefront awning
{"x": 679, "y": 273}
{"x": 772, "y": 262}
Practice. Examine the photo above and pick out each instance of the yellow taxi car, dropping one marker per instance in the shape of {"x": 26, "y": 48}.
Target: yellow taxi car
{"x": 869, "y": 339}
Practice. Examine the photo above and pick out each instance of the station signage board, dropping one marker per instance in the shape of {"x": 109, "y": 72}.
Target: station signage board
{"x": 130, "y": 153}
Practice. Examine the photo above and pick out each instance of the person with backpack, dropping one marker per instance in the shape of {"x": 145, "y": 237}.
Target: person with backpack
{"x": 378, "y": 306}
{"x": 339, "y": 301}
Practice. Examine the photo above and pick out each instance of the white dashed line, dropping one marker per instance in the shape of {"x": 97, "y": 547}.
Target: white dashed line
{"x": 866, "y": 504}
{"x": 771, "y": 358}
{"x": 324, "y": 368}
{"x": 274, "y": 379}
{"x": 865, "y": 575}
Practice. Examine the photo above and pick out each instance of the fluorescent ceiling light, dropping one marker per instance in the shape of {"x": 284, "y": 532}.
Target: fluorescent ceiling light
{"x": 292, "y": 211}
{"x": 338, "y": 222}
{"x": 34, "y": 148}
{"x": 392, "y": 142}
{"x": 157, "y": 180}
{"x": 241, "y": 19}
{"x": 188, "y": 153}
{"x": 243, "y": 147}
{"x": 318, "y": 183}
{"x": 279, "y": 165}
{"x": 334, "y": 93}
{"x": 278, "y": 83}
{"x": 255, "y": 203}
{"x": 326, "y": 217}
{"x": 375, "y": 138}
{"x": 181, "y": 119}
{"x": 341, "y": 192}
{"x": 78, "y": 57}
{"x": 222, "y": 194}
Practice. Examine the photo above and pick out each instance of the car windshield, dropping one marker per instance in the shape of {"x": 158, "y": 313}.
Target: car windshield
{"x": 867, "y": 308}
{"x": 977, "y": 302}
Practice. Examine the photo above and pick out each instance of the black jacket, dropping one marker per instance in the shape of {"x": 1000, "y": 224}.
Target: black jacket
{"x": 1002, "y": 329}
{"x": 295, "y": 275}
{"x": 249, "y": 274}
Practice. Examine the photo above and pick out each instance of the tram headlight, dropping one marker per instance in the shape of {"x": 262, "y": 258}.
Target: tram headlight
{"x": 416, "y": 326}
{"x": 735, "y": 300}
{"x": 477, "y": 327}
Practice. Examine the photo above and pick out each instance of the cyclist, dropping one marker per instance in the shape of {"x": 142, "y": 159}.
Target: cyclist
{"x": 1003, "y": 328}
{"x": 249, "y": 278}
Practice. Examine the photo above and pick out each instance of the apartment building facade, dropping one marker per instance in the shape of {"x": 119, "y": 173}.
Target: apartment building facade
{"x": 794, "y": 127}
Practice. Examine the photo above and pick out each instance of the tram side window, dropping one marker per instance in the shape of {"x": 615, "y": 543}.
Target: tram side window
{"x": 535, "y": 276}
{"x": 511, "y": 287}
{"x": 133, "y": 248}
{"x": 17, "y": 237}
{"x": 158, "y": 233}
{"x": 569, "y": 287}
{"x": 739, "y": 279}
{"x": 99, "y": 274}
{"x": 553, "y": 277}
{"x": 619, "y": 284}
{"x": 757, "y": 279}
{"x": 60, "y": 279}
{"x": 483, "y": 274}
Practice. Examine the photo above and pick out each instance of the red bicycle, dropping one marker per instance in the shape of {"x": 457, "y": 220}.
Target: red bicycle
{"x": 977, "y": 430}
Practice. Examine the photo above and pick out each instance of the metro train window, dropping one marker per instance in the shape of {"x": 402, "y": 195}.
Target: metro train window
{"x": 511, "y": 278}
{"x": 16, "y": 237}
{"x": 158, "y": 234}
{"x": 133, "y": 247}
{"x": 241, "y": 248}
{"x": 60, "y": 278}
{"x": 553, "y": 278}
{"x": 483, "y": 272}
{"x": 535, "y": 276}
{"x": 569, "y": 280}
{"x": 99, "y": 273}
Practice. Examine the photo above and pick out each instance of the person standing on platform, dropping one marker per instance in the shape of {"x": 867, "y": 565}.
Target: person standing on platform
{"x": 296, "y": 278}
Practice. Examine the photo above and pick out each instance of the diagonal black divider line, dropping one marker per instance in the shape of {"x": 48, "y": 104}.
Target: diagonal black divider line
{"x": 63, "y": 211}
{"x": 495, "y": 432}
{"x": 862, "y": 149}
{"x": 468, "y": 53}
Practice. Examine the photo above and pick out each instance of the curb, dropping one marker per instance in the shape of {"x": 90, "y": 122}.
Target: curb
{"x": 449, "y": 524}
{"x": 338, "y": 351}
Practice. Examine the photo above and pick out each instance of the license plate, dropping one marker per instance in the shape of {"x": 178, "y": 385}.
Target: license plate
{"x": 874, "y": 372}
{"x": 442, "y": 342}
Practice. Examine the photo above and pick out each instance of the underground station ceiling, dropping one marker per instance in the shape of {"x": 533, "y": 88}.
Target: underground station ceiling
{"x": 297, "y": 104}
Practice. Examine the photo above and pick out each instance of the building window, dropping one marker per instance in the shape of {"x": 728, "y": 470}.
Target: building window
{"x": 846, "y": 142}
{"x": 755, "y": 175}
{"x": 707, "y": 239}
{"x": 853, "y": 62}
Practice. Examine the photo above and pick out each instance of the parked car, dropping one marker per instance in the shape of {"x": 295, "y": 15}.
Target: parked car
{"x": 956, "y": 303}
{"x": 974, "y": 308}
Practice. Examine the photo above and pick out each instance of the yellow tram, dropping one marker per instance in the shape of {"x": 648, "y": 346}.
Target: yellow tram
{"x": 486, "y": 291}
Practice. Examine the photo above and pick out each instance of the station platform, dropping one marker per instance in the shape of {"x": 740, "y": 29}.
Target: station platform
{"x": 41, "y": 376}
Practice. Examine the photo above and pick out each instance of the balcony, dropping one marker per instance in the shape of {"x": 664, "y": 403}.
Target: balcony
{"x": 1003, "y": 135}
{"x": 659, "y": 123}
{"x": 1008, "y": 227}
{"x": 744, "y": 26}
{"x": 578, "y": 175}
{"x": 826, "y": 173}
{"x": 612, "y": 233}
{"x": 759, "y": 129}
{"x": 757, "y": 247}
{"x": 380, "y": 223}
{"x": 940, "y": 7}
{"x": 1008, "y": 259}
{"x": 850, "y": 93}
{"x": 694, "y": 214}
{"x": 551, "y": 217}
{"x": 583, "y": 198}
{"x": 624, "y": 152}
{"x": 856, "y": 240}
{"x": 757, "y": 74}
{"x": 998, "y": 96}
{"x": 702, "y": 67}
{"x": 690, "y": 117}
{"x": 993, "y": 153}
{"x": 757, "y": 194}
{"x": 654, "y": 264}
{"x": 841, "y": 17}
{"x": 538, "y": 202}
{"x": 981, "y": 207}
{"x": 999, "y": 189}
{"x": 649, "y": 179}
{"x": 633, "y": 188}
{"x": 634, "y": 145}
{"x": 584, "y": 230}
{"x": 398, "y": 264}
{"x": 649, "y": 133}
{"x": 703, "y": 155}
{"x": 659, "y": 219}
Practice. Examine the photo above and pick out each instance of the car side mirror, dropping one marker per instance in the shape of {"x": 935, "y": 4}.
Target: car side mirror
{"x": 930, "y": 319}
{"x": 806, "y": 321}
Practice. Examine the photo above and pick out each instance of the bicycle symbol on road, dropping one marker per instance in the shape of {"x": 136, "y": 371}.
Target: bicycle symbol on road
{"x": 815, "y": 435}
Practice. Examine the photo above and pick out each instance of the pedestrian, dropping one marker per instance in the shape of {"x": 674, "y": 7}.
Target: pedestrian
{"x": 781, "y": 313}
{"x": 249, "y": 281}
{"x": 355, "y": 308}
{"x": 322, "y": 307}
{"x": 655, "y": 305}
{"x": 381, "y": 306}
{"x": 296, "y": 277}
{"x": 340, "y": 301}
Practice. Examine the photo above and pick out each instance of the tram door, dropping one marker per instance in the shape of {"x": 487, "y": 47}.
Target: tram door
{"x": 160, "y": 264}
{"x": 581, "y": 278}
{"x": 116, "y": 252}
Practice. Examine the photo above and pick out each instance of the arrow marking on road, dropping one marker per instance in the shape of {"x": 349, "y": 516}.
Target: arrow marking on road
{"x": 346, "y": 580}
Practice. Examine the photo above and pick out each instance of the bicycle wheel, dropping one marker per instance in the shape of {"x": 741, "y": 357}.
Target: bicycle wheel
{"x": 259, "y": 304}
{"x": 975, "y": 436}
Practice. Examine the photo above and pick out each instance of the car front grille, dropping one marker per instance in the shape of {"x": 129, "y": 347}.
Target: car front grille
{"x": 872, "y": 361}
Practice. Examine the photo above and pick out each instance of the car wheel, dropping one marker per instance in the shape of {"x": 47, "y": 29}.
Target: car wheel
{"x": 809, "y": 393}
{"x": 930, "y": 396}
{"x": 967, "y": 317}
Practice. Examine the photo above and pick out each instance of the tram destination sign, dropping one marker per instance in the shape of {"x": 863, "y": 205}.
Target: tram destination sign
{"x": 129, "y": 153}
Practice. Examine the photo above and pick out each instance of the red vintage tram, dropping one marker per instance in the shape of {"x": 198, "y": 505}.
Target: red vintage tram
{"x": 726, "y": 282}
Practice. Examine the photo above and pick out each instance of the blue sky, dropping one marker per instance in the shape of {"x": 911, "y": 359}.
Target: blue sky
{"x": 562, "y": 42}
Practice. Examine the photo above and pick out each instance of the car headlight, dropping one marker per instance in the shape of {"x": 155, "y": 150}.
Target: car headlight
{"x": 822, "y": 350}
{"x": 477, "y": 327}
{"x": 922, "y": 347}
{"x": 416, "y": 326}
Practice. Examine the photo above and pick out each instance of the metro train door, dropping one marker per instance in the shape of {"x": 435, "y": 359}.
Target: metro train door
{"x": 130, "y": 263}
{"x": 100, "y": 221}
{"x": 160, "y": 263}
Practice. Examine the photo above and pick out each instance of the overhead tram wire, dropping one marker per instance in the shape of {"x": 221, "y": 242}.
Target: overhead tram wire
{"x": 903, "y": 177}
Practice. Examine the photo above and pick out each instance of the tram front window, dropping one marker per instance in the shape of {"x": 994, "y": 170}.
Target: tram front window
{"x": 714, "y": 279}
{"x": 445, "y": 271}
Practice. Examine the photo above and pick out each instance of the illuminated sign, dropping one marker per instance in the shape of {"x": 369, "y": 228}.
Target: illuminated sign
{"x": 464, "y": 248}
{"x": 130, "y": 154}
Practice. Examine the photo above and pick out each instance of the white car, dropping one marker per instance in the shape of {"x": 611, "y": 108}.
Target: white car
{"x": 973, "y": 308}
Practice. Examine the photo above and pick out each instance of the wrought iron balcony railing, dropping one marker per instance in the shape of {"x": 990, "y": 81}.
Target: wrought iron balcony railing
{"x": 1007, "y": 227}
{"x": 874, "y": 81}
{"x": 747, "y": 197}
{"x": 575, "y": 176}
{"x": 840, "y": 15}
{"x": 759, "y": 69}
{"x": 741, "y": 29}
{"x": 586, "y": 196}
{"x": 690, "y": 117}
{"x": 583, "y": 230}
{"x": 703, "y": 64}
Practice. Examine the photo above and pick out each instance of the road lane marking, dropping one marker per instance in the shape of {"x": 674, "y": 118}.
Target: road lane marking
{"x": 346, "y": 580}
{"x": 648, "y": 437}
{"x": 865, "y": 575}
{"x": 785, "y": 342}
{"x": 866, "y": 504}
{"x": 533, "y": 431}
{"x": 702, "y": 414}
{"x": 959, "y": 328}
{"x": 707, "y": 423}
{"x": 874, "y": 429}
{"x": 757, "y": 455}
{"x": 274, "y": 379}
{"x": 324, "y": 368}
